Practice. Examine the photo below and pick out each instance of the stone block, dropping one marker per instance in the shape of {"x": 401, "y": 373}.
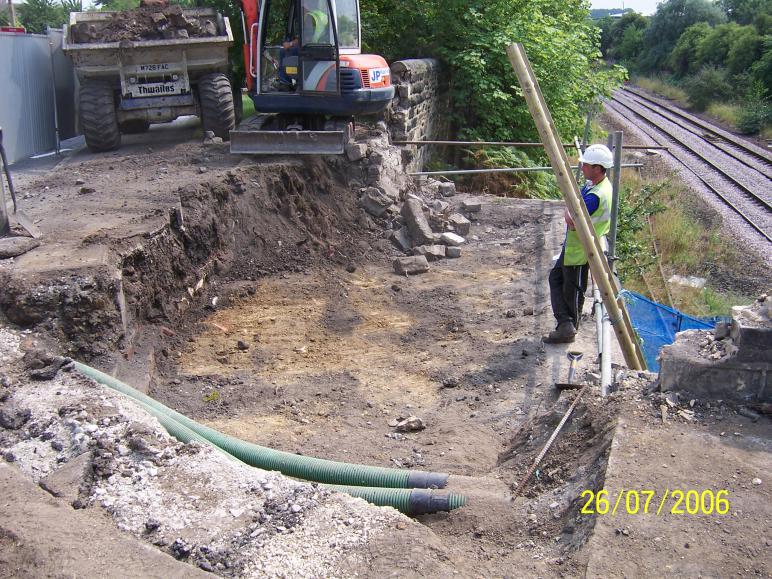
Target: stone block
{"x": 404, "y": 91}
{"x": 375, "y": 201}
{"x": 356, "y": 151}
{"x": 471, "y": 206}
{"x": 411, "y": 265}
{"x": 685, "y": 367}
{"x": 452, "y": 239}
{"x": 440, "y": 206}
{"x": 447, "y": 189}
{"x": 401, "y": 238}
{"x": 452, "y": 252}
{"x": 431, "y": 252}
{"x": 461, "y": 224}
{"x": 416, "y": 222}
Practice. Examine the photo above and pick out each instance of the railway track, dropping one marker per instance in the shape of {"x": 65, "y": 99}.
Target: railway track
{"x": 737, "y": 172}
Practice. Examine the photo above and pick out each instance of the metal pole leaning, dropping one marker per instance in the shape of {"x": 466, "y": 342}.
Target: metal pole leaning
{"x": 615, "y": 182}
{"x": 588, "y": 238}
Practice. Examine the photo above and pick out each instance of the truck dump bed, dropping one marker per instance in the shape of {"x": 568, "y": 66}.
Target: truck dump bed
{"x": 101, "y": 44}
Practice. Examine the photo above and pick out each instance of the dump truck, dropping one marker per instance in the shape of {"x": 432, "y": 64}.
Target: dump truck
{"x": 150, "y": 65}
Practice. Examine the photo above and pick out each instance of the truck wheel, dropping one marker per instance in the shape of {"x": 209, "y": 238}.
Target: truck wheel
{"x": 98, "y": 119}
{"x": 134, "y": 127}
{"x": 217, "y": 114}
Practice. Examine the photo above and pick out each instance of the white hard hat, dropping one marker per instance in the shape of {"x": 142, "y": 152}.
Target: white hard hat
{"x": 597, "y": 155}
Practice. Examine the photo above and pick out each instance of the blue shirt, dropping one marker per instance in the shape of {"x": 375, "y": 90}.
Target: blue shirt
{"x": 591, "y": 200}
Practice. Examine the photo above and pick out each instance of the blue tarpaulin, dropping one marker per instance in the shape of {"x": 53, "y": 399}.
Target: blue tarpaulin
{"x": 657, "y": 324}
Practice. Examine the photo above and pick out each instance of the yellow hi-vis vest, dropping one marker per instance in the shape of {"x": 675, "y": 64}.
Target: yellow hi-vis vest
{"x": 320, "y": 23}
{"x": 601, "y": 221}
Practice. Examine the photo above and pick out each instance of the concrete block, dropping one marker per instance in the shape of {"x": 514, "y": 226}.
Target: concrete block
{"x": 461, "y": 224}
{"x": 431, "y": 252}
{"x": 356, "y": 151}
{"x": 447, "y": 189}
{"x": 471, "y": 206}
{"x": 416, "y": 222}
{"x": 401, "y": 238}
{"x": 686, "y": 366}
{"x": 376, "y": 202}
{"x": 452, "y": 252}
{"x": 452, "y": 239}
{"x": 411, "y": 265}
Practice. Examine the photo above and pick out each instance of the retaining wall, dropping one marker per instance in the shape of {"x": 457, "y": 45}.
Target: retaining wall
{"x": 420, "y": 107}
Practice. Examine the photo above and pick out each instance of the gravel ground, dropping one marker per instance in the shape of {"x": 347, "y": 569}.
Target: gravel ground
{"x": 735, "y": 226}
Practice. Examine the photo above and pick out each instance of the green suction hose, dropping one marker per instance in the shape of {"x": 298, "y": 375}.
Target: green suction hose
{"x": 408, "y": 501}
{"x": 302, "y": 467}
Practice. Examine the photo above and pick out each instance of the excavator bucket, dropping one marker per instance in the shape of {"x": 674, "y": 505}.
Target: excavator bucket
{"x": 251, "y": 138}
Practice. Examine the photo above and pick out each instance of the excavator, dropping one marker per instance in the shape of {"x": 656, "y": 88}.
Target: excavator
{"x": 307, "y": 76}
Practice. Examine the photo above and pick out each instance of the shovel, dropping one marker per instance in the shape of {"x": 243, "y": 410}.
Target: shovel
{"x": 573, "y": 357}
{"x": 21, "y": 217}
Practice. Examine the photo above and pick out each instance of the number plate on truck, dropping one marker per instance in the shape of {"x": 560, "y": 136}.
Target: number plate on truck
{"x": 156, "y": 89}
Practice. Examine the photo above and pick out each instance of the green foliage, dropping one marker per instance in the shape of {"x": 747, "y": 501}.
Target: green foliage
{"x": 471, "y": 37}
{"x": 4, "y": 19}
{"x": 756, "y": 112}
{"x": 672, "y": 18}
{"x": 633, "y": 245}
{"x": 626, "y": 36}
{"x": 213, "y": 396}
{"x": 761, "y": 70}
{"x": 715, "y": 46}
{"x": 683, "y": 58}
{"x": 37, "y": 15}
{"x": 744, "y": 11}
{"x": 745, "y": 49}
{"x": 708, "y": 85}
{"x": 537, "y": 185}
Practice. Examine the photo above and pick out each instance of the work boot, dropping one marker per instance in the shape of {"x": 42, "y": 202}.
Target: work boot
{"x": 565, "y": 333}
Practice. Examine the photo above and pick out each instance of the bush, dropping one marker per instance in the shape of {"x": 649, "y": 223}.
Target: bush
{"x": 710, "y": 84}
{"x": 756, "y": 112}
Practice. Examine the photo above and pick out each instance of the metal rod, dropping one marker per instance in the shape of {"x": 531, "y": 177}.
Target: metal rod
{"x": 615, "y": 183}
{"x": 605, "y": 357}
{"x": 503, "y": 170}
{"x": 597, "y": 304}
{"x": 547, "y": 446}
{"x": 508, "y": 144}
{"x": 5, "y": 225}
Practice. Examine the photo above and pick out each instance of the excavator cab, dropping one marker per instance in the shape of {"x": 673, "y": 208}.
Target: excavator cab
{"x": 307, "y": 76}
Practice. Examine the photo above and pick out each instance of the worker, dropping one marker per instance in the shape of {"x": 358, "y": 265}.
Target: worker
{"x": 568, "y": 278}
{"x": 316, "y": 30}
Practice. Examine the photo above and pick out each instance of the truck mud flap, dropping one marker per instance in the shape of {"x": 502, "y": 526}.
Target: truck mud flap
{"x": 263, "y": 142}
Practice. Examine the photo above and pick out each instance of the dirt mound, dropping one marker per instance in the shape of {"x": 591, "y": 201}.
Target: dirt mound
{"x": 145, "y": 23}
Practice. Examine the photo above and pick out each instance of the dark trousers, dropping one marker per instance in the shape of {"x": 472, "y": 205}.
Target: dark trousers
{"x": 567, "y": 286}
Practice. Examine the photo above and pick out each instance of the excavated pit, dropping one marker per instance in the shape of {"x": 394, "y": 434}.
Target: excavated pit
{"x": 265, "y": 306}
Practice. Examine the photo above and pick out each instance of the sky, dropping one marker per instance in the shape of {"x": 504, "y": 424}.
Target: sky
{"x": 647, "y": 7}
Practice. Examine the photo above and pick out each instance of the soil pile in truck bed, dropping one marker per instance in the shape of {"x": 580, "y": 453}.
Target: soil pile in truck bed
{"x": 146, "y": 23}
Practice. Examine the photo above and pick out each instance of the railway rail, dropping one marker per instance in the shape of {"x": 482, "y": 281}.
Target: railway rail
{"x": 737, "y": 173}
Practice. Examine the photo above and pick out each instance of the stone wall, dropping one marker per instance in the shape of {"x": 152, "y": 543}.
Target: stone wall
{"x": 419, "y": 110}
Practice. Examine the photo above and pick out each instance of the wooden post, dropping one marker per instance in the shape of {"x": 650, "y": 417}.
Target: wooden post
{"x": 589, "y": 240}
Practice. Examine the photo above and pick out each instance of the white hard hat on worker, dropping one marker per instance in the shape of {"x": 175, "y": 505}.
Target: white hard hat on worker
{"x": 597, "y": 155}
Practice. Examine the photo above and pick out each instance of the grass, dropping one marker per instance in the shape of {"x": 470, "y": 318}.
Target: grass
{"x": 663, "y": 88}
{"x": 727, "y": 113}
{"x": 685, "y": 246}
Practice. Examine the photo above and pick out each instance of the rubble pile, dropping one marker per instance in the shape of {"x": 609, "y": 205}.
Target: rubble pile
{"x": 91, "y": 447}
{"x": 157, "y": 22}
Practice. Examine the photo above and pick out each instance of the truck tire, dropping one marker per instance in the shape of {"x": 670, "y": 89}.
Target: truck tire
{"x": 98, "y": 119}
{"x": 217, "y": 114}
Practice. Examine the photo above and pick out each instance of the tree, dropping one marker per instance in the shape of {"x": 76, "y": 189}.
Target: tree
{"x": 628, "y": 31}
{"x": 762, "y": 68}
{"x": 745, "y": 49}
{"x": 683, "y": 58}
{"x": 471, "y": 37}
{"x": 36, "y": 15}
{"x": 745, "y": 11}
{"x": 672, "y": 18}
{"x": 714, "y": 48}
